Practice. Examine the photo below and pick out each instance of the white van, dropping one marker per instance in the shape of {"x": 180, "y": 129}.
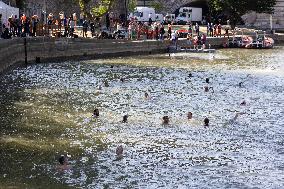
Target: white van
{"x": 159, "y": 18}
{"x": 142, "y": 14}
{"x": 189, "y": 14}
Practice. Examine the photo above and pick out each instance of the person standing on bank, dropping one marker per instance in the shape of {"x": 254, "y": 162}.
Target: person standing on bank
{"x": 107, "y": 21}
{"x": 150, "y": 19}
{"x": 85, "y": 28}
{"x": 72, "y": 26}
{"x": 197, "y": 29}
{"x": 169, "y": 31}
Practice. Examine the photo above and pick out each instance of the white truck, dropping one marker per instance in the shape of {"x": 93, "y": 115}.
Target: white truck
{"x": 143, "y": 14}
{"x": 170, "y": 18}
{"x": 189, "y": 14}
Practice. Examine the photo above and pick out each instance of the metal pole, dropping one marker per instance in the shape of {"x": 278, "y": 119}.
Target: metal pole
{"x": 26, "y": 53}
{"x": 271, "y": 23}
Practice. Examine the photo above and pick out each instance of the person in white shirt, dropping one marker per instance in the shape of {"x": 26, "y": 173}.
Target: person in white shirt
{"x": 72, "y": 26}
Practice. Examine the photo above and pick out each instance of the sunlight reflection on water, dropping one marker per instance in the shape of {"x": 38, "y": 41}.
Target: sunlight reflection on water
{"x": 245, "y": 154}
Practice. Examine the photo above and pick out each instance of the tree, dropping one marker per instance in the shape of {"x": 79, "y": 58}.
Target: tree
{"x": 20, "y": 4}
{"x": 234, "y": 9}
{"x": 132, "y": 4}
{"x": 157, "y": 6}
{"x": 98, "y": 10}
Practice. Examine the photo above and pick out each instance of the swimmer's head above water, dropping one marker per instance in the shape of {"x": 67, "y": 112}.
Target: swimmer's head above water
{"x": 125, "y": 119}
{"x": 166, "y": 120}
{"x": 119, "y": 150}
{"x": 96, "y": 113}
{"x": 206, "y": 122}
{"x": 189, "y": 115}
{"x": 206, "y": 89}
{"x": 63, "y": 160}
{"x": 207, "y": 80}
{"x": 146, "y": 95}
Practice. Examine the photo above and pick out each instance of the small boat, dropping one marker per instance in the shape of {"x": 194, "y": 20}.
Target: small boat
{"x": 261, "y": 43}
{"x": 246, "y": 41}
{"x": 174, "y": 49}
{"x": 200, "y": 50}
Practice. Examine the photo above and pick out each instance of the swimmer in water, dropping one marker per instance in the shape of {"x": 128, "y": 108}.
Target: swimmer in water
{"x": 206, "y": 89}
{"x": 106, "y": 84}
{"x": 63, "y": 163}
{"x": 146, "y": 95}
{"x": 190, "y": 75}
{"x": 243, "y": 103}
{"x": 189, "y": 115}
{"x": 206, "y": 122}
{"x": 124, "y": 119}
{"x": 122, "y": 80}
{"x": 96, "y": 113}
{"x": 166, "y": 120}
{"x": 207, "y": 80}
{"x": 119, "y": 152}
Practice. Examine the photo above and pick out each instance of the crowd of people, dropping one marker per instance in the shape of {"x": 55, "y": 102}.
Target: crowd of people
{"x": 111, "y": 27}
{"x": 18, "y": 27}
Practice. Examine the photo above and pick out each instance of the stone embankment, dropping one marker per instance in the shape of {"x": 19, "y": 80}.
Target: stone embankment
{"x": 44, "y": 49}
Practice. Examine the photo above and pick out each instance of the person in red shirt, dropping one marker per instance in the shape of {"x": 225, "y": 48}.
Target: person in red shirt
{"x": 219, "y": 27}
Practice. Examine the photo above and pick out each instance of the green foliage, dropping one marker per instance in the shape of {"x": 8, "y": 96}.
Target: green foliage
{"x": 132, "y": 4}
{"x": 20, "y": 4}
{"x": 102, "y": 8}
{"x": 234, "y": 9}
{"x": 83, "y": 5}
{"x": 98, "y": 10}
{"x": 157, "y": 6}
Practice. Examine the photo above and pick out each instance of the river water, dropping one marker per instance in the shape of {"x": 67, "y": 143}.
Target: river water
{"x": 46, "y": 110}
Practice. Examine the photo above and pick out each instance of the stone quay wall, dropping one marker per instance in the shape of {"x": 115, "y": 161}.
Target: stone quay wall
{"x": 44, "y": 49}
